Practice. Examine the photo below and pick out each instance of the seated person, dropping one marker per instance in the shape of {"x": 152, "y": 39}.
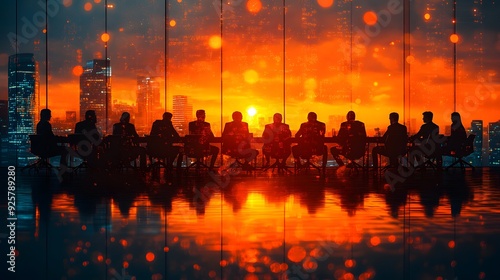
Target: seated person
{"x": 88, "y": 129}
{"x": 351, "y": 139}
{"x": 44, "y": 129}
{"x": 457, "y": 138}
{"x": 127, "y": 130}
{"x": 395, "y": 142}
{"x": 202, "y": 128}
{"x": 236, "y": 139}
{"x": 310, "y": 137}
{"x": 277, "y": 140}
{"x": 426, "y": 136}
{"x": 165, "y": 130}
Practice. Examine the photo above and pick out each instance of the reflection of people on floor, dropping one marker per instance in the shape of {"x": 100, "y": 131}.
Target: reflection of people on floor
{"x": 127, "y": 131}
{"x": 310, "y": 138}
{"x": 396, "y": 199}
{"x": 44, "y": 129}
{"x": 236, "y": 140}
{"x": 166, "y": 131}
{"x": 351, "y": 139}
{"x": 457, "y": 137}
{"x": 202, "y": 128}
{"x": 277, "y": 140}
{"x": 395, "y": 142}
{"x": 351, "y": 199}
{"x": 458, "y": 193}
{"x": 429, "y": 192}
{"x": 426, "y": 136}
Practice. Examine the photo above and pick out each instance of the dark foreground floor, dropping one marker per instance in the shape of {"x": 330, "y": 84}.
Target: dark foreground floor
{"x": 260, "y": 226}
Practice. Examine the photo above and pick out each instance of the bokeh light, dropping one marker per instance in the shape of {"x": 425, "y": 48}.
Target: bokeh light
{"x": 87, "y": 7}
{"x": 97, "y": 1}
{"x": 454, "y": 38}
{"x": 350, "y": 263}
{"x": 105, "y": 37}
{"x": 296, "y": 254}
{"x": 370, "y": 18}
{"x": 67, "y": 3}
{"x": 427, "y": 16}
{"x": 410, "y": 59}
{"x": 251, "y": 76}
{"x": 325, "y": 3}
{"x": 451, "y": 244}
{"x": 172, "y": 23}
{"x": 215, "y": 42}
{"x": 375, "y": 241}
{"x": 77, "y": 70}
{"x": 150, "y": 256}
{"x": 254, "y": 6}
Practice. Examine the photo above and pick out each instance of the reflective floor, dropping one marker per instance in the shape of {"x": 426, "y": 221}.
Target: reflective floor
{"x": 257, "y": 226}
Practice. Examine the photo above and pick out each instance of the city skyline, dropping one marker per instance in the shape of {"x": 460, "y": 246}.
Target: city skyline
{"x": 264, "y": 60}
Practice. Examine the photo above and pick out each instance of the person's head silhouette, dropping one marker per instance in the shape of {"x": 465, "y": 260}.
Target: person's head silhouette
{"x": 312, "y": 117}
{"x": 277, "y": 118}
{"x": 237, "y": 116}
{"x": 351, "y": 116}
{"x": 427, "y": 116}
{"x": 45, "y": 115}
{"x": 167, "y": 116}
{"x": 200, "y": 115}
{"x": 91, "y": 116}
{"x": 125, "y": 118}
{"x": 393, "y": 117}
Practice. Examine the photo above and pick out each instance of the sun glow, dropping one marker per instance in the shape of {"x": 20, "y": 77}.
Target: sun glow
{"x": 251, "y": 111}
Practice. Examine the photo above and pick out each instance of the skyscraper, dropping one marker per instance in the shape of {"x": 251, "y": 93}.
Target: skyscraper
{"x": 148, "y": 100}
{"x": 476, "y": 128}
{"x": 23, "y": 96}
{"x": 182, "y": 114}
{"x": 494, "y": 143}
{"x": 95, "y": 91}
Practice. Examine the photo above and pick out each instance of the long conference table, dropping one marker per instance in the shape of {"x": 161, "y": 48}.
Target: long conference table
{"x": 75, "y": 139}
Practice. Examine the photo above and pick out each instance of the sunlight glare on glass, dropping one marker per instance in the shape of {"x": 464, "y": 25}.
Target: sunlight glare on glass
{"x": 325, "y": 3}
{"x": 370, "y": 18}
{"x": 254, "y": 6}
{"x": 215, "y": 42}
{"x": 251, "y": 76}
{"x": 251, "y": 111}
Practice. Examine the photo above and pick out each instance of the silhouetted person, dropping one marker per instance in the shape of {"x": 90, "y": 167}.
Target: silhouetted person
{"x": 236, "y": 139}
{"x": 88, "y": 124}
{"x": 127, "y": 131}
{"x": 88, "y": 129}
{"x": 202, "y": 128}
{"x": 427, "y": 136}
{"x": 44, "y": 129}
{"x": 165, "y": 130}
{"x": 310, "y": 137}
{"x": 457, "y": 137}
{"x": 351, "y": 139}
{"x": 395, "y": 142}
{"x": 277, "y": 140}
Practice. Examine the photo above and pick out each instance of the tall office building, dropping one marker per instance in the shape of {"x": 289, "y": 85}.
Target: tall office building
{"x": 4, "y": 118}
{"x": 148, "y": 100}
{"x": 476, "y": 128}
{"x": 494, "y": 143}
{"x": 23, "y": 96}
{"x": 182, "y": 114}
{"x": 95, "y": 91}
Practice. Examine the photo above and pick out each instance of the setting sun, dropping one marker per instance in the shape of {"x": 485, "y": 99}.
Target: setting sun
{"x": 251, "y": 111}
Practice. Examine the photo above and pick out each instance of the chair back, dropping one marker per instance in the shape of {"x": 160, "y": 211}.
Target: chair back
{"x": 468, "y": 147}
{"x": 156, "y": 146}
{"x": 355, "y": 148}
{"x": 194, "y": 146}
{"x": 38, "y": 145}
